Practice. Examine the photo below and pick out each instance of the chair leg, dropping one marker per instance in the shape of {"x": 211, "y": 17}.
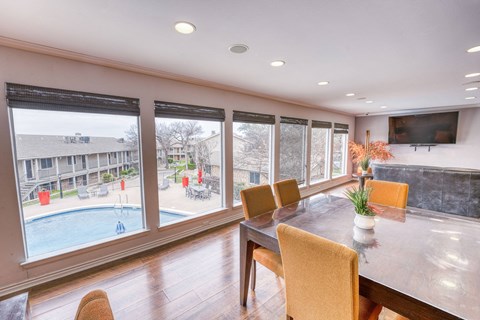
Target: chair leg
{"x": 253, "y": 275}
{"x": 287, "y": 317}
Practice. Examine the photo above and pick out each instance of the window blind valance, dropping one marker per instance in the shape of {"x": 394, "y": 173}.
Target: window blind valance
{"x": 321, "y": 124}
{"x": 340, "y": 128}
{"x": 251, "y": 117}
{"x": 289, "y": 120}
{"x": 185, "y": 111}
{"x": 41, "y": 98}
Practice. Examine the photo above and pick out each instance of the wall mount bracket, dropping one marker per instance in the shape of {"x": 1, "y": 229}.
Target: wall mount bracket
{"x": 422, "y": 145}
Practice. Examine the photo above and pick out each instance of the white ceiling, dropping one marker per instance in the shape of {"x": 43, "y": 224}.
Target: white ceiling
{"x": 408, "y": 54}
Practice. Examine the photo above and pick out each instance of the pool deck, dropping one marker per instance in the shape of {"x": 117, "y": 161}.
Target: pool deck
{"x": 172, "y": 199}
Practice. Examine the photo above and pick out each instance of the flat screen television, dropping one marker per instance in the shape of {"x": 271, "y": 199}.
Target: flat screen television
{"x": 433, "y": 128}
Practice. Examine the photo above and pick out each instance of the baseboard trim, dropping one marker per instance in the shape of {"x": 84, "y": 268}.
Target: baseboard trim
{"x": 32, "y": 282}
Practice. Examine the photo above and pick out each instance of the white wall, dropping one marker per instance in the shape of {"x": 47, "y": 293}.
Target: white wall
{"x": 24, "y": 67}
{"x": 464, "y": 154}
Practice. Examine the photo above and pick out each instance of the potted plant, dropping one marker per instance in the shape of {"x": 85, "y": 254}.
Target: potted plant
{"x": 365, "y": 164}
{"x": 364, "y": 215}
{"x": 377, "y": 151}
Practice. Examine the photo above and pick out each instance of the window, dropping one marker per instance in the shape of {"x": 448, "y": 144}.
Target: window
{"x": 319, "y": 153}
{"x": 58, "y": 123}
{"x": 46, "y": 163}
{"x": 254, "y": 177}
{"x": 339, "y": 154}
{"x": 292, "y": 149}
{"x": 252, "y": 154}
{"x": 69, "y": 160}
{"x": 190, "y": 160}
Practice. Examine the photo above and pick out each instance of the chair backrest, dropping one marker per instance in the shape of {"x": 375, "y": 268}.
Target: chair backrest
{"x": 94, "y": 305}
{"x": 257, "y": 200}
{"x": 393, "y": 194}
{"x": 286, "y": 192}
{"x": 103, "y": 188}
{"x": 321, "y": 276}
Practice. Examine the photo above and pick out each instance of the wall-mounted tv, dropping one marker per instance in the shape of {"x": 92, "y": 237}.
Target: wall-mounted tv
{"x": 433, "y": 128}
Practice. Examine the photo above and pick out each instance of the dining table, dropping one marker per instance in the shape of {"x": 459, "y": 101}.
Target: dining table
{"x": 419, "y": 263}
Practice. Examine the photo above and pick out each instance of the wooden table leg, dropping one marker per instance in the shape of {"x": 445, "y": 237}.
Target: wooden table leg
{"x": 246, "y": 254}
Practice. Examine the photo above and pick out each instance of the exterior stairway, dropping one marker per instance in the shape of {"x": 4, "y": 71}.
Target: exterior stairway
{"x": 27, "y": 187}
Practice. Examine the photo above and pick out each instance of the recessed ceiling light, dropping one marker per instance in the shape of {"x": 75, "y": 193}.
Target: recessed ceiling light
{"x": 383, "y": 107}
{"x": 369, "y": 101}
{"x": 474, "y": 49}
{"x": 323, "y": 83}
{"x": 471, "y": 89}
{"x": 470, "y": 98}
{"x": 277, "y": 63}
{"x": 350, "y": 94}
{"x": 238, "y": 48}
{"x": 184, "y": 27}
{"x": 471, "y": 75}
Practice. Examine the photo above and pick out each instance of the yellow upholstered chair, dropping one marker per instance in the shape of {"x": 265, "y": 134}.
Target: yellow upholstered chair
{"x": 256, "y": 201}
{"x": 94, "y": 306}
{"x": 393, "y": 194}
{"x": 321, "y": 278}
{"x": 286, "y": 192}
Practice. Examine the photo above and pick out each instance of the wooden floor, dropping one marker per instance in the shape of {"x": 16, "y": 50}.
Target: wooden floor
{"x": 195, "y": 279}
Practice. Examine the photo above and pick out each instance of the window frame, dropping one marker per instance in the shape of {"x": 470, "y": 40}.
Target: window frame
{"x": 58, "y": 100}
{"x": 256, "y": 177}
{"x": 46, "y": 163}
{"x": 305, "y": 147}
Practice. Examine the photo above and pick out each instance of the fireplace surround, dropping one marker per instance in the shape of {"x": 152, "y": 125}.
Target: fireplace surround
{"x": 449, "y": 190}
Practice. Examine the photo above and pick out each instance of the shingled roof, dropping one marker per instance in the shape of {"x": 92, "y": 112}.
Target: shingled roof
{"x": 46, "y": 146}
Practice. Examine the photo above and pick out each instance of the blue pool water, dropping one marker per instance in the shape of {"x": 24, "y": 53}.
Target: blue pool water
{"x": 72, "y": 228}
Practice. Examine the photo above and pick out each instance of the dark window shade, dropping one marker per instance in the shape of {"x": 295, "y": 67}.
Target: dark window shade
{"x": 186, "y": 111}
{"x": 340, "y": 128}
{"x": 288, "y": 120}
{"x": 40, "y": 98}
{"x": 250, "y": 117}
{"x": 321, "y": 124}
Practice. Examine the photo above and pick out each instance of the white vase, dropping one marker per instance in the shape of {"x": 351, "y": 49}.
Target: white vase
{"x": 364, "y": 222}
{"x": 364, "y": 172}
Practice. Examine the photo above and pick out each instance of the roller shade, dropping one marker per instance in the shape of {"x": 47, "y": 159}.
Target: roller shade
{"x": 41, "y": 98}
{"x": 340, "y": 128}
{"x": 251, "y": 117}
{"x": 185, "y": 111}
{"x": 289, "y": 120}
{"x": 321, "y": 124}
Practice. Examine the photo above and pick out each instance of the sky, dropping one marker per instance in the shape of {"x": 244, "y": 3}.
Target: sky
{"x": 28, "y": 121}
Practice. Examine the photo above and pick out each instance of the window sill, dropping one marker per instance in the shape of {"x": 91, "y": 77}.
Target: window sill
{"x": 81, "y": 249}
{"x": 193, "y": 219}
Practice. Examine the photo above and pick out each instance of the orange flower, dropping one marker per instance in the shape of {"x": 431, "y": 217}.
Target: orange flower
{"x": 378, "y": 150}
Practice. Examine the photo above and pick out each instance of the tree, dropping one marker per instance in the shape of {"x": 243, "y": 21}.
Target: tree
{"x": 131, "y": 135}
{"x": 255, "y": 148}
{"x": 204, "y": 151}
{"x": 319, "y": 148}
{"x": 184, "y": 132}
{"x": 164, "y": 134}
{"x": 292, "y": 151}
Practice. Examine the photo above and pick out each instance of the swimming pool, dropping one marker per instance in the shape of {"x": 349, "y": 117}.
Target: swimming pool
{"x": 76, "y": 227}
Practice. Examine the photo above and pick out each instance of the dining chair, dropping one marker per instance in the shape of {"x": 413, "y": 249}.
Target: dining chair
{"x": 256, "y": 201}
{"x": 321, "y": 278}
{"x": 94, "y": 306}
{"x": 286, "y": 192}
{"x": 388, "y": 193}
